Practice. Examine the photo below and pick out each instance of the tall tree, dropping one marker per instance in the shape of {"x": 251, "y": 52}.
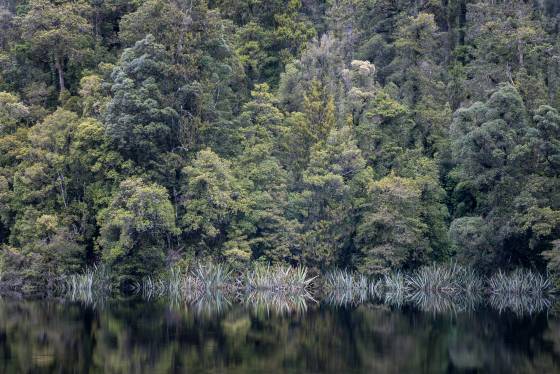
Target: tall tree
{"x": 60, "y": 30}
{"x": 141, "y": 121}
{"x": 271, "y": 235}
{"x": 391, "y": 234}
{"x": 211, "y": 200}
{"x": 270, "y": 34}
{"x": 334, "y": 186}
{"x": 206, "y": 69}
{"x": 503, "y": 174}
{"x": 137, "y": 230}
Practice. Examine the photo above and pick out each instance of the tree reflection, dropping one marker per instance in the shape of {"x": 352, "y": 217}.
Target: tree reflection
{"x": 132, "y": 335}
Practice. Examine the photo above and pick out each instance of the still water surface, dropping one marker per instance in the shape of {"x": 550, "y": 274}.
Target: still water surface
{"x": 135, "y": 336}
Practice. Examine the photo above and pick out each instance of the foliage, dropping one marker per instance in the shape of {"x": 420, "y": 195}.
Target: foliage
{"x": 371, "y": 136}
{"x": 59, "y": 30}
{"x": 391, "y": 233}
{"x": 136, "y": 229}
{"x": 139, "y": 121}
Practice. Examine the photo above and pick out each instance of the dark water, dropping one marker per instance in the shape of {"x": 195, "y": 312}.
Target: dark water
{"x": 134, "y": 336}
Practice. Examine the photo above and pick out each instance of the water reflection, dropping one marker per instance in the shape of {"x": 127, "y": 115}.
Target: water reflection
{"x": 352, "y": 297}
{"x": 272, "y": 302}
{"x": 132, "y": 335}
{"x": 521, "y": 305}
{"x": 214, "y": 302}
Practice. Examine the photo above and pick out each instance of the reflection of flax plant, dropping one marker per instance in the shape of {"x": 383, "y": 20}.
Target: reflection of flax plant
{"x": 209, "y": 304}
{"x": 280, "y": 289}
{"x": 191, "y": 283}
{"x": 444, "y": 288}
{"x": 277, "y": 303}
{"x": 395, "y": 283}
{"x": 91, "y": 286}
{"x": 522, "y": 291}
{"x": 207, "y": 287}
{"x": 395, "y": 299}
{"x": 438, "y": 302}
{"x": 204, "y": 288}
{"x": 519, "y": 282}
{"x": 433, "y": 302}
{"x": 152, "y": 287}
{"x": 343, "y": 287}
{"x": 436, "y": 289}
{"x": 394, "y": 287}
{"x": 519, "y": 304}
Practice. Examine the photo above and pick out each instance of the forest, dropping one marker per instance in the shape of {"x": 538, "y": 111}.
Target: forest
{"x": 369, "y": 135}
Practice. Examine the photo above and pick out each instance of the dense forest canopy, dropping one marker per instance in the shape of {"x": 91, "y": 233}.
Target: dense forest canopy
{"x": 374, "y": 135}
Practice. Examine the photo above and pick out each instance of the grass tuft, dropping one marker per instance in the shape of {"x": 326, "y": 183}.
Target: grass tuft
{"x": 519, "y": 282}
{"x": 93, "y": 284}
{"x": 344, "y": 287}
{"x": 277, "y": 279}
{"x": 444, "y": 279}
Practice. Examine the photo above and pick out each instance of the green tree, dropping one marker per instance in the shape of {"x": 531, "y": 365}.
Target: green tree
{"x": 270, "y": 34}
{"x": 270, "y": 234}
{"x": 211, "y": 199}
{"x": 60, "y": 30}
{"x": 44, "y": 177}
{"x": 260, "y": 119}
{"x": 41, "y": 250}
{"x": 137, "y": 230}
{"x": 141, "y": 121}
{"x": 383, "y": 125}
{"x": 334, "y": 187}
{"x": 66, "y": 168}
{"x": 13, "y": 113}
{"x": 504, "y": 173}
{"x": 391, "y": 235}
{"x": 309, "y": 127}
{"x": 206, "y": 70}
{"x": 94, "y": 97}
{"x": 507, "y": 45}
{"x": 420, "y": 76}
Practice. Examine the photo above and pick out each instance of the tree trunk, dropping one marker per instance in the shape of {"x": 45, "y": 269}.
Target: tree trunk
{"x": 97, "y": 27}
{"x": 520, "y": 57}
{"x": 58, "y": 67}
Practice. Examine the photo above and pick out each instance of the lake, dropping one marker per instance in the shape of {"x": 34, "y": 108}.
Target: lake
{"x": 132, "y": 335}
